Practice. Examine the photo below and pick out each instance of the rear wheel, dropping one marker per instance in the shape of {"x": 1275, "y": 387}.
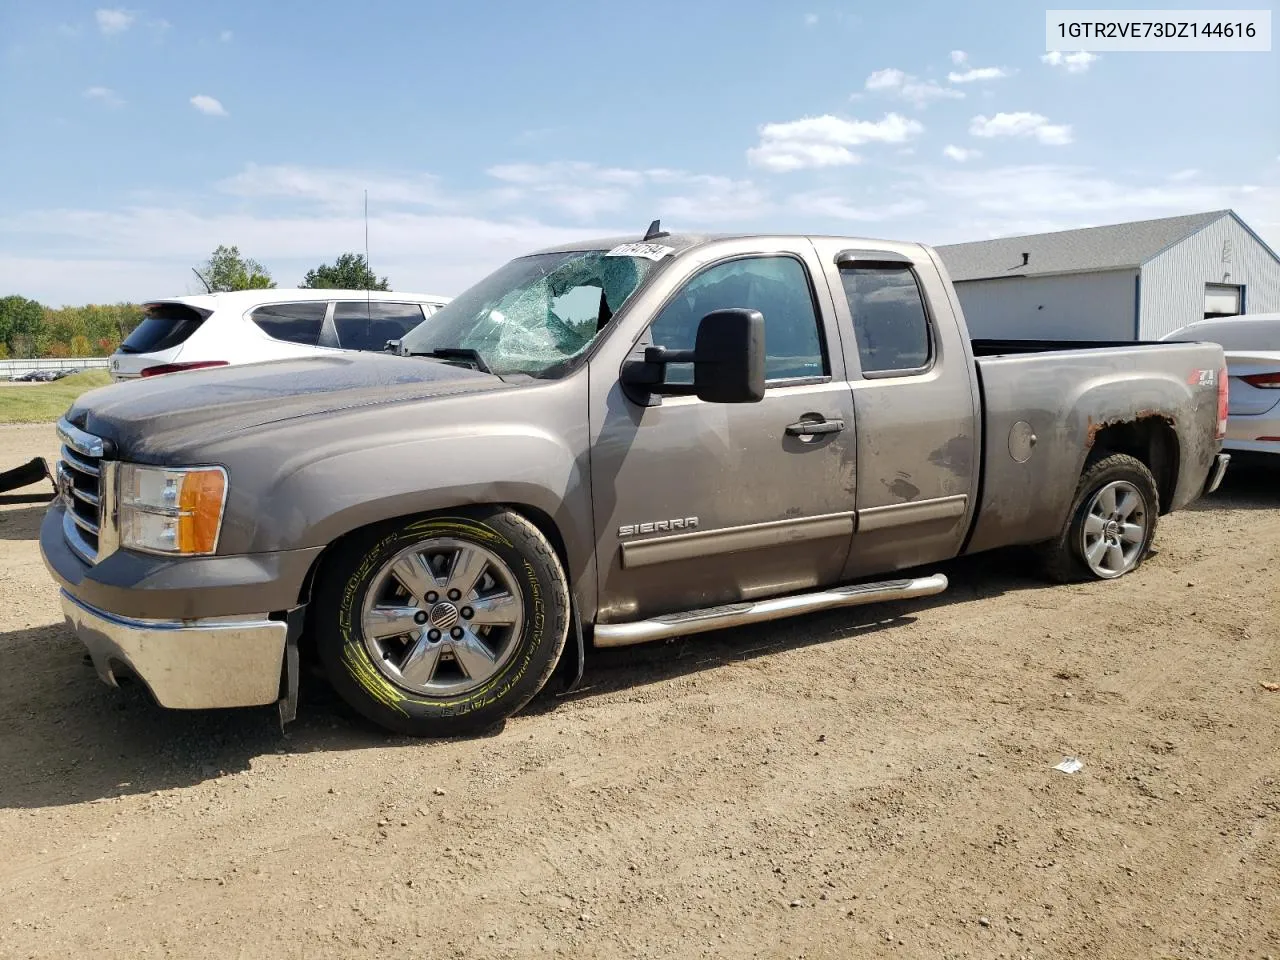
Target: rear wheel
{"x": 1111, "y": 524}
{"x": 442, "y": 625}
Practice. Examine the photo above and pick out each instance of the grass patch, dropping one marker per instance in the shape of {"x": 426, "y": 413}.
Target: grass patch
{"x": 46, "y": 402}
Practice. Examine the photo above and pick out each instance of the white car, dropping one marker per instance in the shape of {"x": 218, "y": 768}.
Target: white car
{"x": 1251, "y": 344}
{"x": 249, "y": 326}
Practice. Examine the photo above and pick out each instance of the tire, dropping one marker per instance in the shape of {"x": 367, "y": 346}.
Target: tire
{"x": 409, "y": 682}
{"x": 1073, "y": 556}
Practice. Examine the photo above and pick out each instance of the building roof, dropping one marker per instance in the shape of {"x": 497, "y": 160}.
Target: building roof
{"x": 1092, "y": 249}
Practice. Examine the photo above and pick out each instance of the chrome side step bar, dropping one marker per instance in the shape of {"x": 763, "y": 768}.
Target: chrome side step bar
{"x": 738, "y": 614}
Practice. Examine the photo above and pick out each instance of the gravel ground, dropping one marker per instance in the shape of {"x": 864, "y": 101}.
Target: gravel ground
{"x": 874, "y": 782}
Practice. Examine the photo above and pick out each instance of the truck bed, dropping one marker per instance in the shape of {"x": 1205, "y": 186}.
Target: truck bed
{"x": 1063, "y": 392}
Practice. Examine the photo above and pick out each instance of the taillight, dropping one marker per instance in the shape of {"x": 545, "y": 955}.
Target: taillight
{"x": 176, "y": 367}
{"x": 1268, "y": 381}
{"x": 1222, "y": 404}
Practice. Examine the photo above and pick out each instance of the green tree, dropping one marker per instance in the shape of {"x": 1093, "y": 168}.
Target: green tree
{"x": 227, "y": 270}
{"x": 349, "y": 272}
{"x": 21, "y": 324}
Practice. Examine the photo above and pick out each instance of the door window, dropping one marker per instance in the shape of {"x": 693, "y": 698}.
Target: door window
{"x": 368, "y": 326}
{"x": 777, "y": 286}
{"x": 889, "y": 320}
{"x": 292, "y": 322}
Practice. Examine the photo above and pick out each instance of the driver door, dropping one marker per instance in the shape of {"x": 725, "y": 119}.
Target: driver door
{"x": 698, "y": 504}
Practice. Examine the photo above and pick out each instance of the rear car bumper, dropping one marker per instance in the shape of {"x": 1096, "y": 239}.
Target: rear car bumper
{"x": 187, "y": 665}
{"x": 1243, "y": 433}
{"x": 1252, "y": 446}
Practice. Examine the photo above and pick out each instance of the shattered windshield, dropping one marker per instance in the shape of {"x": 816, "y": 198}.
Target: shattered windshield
{"x": 536, "y": 313}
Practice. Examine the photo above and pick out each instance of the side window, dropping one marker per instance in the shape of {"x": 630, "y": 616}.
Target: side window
{"x": 292, "y": 322}
{"x": 889, "y": 319}
{"x": 368, "y": 326}
{"x": 777, "y": 286}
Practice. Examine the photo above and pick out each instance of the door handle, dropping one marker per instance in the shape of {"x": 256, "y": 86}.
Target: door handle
{"x": 812, "y": 428}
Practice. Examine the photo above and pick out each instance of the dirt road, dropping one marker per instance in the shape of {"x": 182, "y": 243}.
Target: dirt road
{"x": 875, "y": 782}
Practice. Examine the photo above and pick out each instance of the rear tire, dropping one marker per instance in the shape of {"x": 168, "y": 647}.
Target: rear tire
{"x": 1111, "y": 525}
{"x": 442, "y": 625}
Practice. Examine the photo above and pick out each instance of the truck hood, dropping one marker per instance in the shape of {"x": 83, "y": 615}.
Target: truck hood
{"x": 158, "y": 413}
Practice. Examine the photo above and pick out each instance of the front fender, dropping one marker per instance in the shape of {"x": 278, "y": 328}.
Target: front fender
{"x": 311, "y": 481}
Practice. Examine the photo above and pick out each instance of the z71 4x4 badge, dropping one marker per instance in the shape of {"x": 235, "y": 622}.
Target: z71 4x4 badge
{"x": 1203, "y": 378}
{"x": 658, "y": 526}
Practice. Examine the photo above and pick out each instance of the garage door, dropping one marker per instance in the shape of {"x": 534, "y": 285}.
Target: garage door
{"x": 1221, "y": 300}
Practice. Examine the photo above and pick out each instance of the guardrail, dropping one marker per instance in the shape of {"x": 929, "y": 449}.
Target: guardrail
{"x": 11, "y": 368}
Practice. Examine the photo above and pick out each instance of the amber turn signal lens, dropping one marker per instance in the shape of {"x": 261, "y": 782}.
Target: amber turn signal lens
{"x": 200, "y": 503}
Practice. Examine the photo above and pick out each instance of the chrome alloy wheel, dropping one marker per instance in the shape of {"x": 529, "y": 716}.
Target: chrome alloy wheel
{"x": 442, "y": 617}
{"x": 1115, "y": 529}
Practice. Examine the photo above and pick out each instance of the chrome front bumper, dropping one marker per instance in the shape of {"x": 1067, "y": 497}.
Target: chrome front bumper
{"x": 187, "y": 665}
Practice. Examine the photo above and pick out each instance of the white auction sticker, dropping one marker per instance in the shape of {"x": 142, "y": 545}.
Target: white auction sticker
{"x": 650, "y": 251}
{"x": 1152, "y": 31}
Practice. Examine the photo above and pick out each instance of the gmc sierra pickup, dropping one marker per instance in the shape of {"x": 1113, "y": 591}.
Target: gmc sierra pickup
{"x": 609, "y": 443}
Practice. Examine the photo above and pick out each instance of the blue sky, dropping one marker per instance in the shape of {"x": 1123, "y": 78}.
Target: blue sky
{"x": 137, "y": 138}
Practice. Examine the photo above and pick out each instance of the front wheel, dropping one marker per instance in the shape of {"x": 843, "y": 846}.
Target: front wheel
{"x": 1111, "y": 525}
{"x": 442, "y": 625}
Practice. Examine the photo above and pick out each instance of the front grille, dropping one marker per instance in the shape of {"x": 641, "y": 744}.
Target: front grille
{"x": 80, "y": 475}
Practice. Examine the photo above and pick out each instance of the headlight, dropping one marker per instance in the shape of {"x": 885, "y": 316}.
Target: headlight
{"x": 171, "y": 511}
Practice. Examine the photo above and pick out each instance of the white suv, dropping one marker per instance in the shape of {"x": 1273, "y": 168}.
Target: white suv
{"x": 249, "y": 326}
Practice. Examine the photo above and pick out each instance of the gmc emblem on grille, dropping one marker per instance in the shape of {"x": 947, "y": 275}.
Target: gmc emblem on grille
{"x": 64, "y": 484}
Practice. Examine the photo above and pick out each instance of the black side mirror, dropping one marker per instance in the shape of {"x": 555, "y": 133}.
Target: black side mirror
{"x": 727, "y": 358}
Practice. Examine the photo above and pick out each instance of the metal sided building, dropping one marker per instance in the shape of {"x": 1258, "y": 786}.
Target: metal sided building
{"x": 1128, "y": 281}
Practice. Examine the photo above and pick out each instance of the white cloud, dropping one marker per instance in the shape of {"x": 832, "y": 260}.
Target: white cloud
{"x": 1078, "y": 196}
{"x": 208, "y": 105}
{"x": 810, "y": 19}
{"x": 1182, "y": 176}
{"x": 226, "y": 36}
{"x": 114, "y": 21}
{"x": 564, "y": 171}
{"x": 1077, "y": 62}
{"x": 824, "y": 141}
{"x": 104, "y": 95}
{"x": 886, "y": 79}
{"x": 714, "y": 199}
{"x": 978, "y": 73}
{"x": 958, "y": 57}
{"x": 910, "y": 88}
{"x": 1021, "y": 124}
{"x": 960, "y": 154}
{"x": 584, "y": 191}
{"x": 335, "y": 188}
{"x": 826, "y": 204}
{"x": 783, "y": 157}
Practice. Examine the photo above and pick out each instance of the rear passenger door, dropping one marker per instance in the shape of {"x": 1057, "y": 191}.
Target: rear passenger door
{"x": 916, "y": 403}
{"x": 362, "y": 325}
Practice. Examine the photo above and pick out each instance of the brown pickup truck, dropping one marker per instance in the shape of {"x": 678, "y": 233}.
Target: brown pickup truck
{"x": 605, "y": 443}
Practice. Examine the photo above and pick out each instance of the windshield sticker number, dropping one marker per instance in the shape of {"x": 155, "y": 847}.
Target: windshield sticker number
{"x": 650, "y": 251}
